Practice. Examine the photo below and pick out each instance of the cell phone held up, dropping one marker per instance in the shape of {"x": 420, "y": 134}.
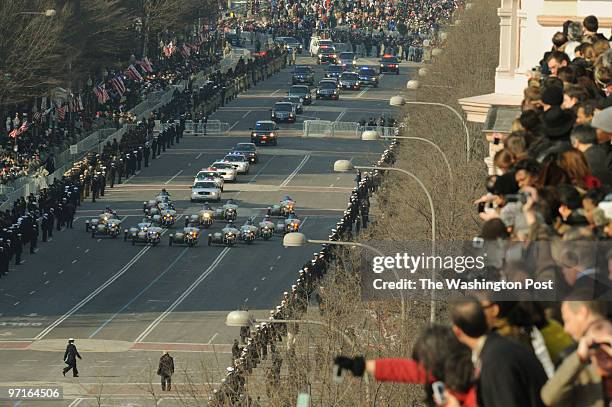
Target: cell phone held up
{"x": 521, "y": 197}
{"x": 438, "y": 389}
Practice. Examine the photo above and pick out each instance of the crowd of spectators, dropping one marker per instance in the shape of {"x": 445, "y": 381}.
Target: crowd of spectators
{"x": 52, "y": 126}
{"x": 551, "y": 194}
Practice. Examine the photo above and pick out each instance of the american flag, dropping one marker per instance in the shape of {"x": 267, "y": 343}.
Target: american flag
{"x": 169, "y": 49}
{"x": 16, "y": 132}
{"x": 118, "y": 84}
{"x": 61, "y": 112}
{"x": 185, "y": 51}
{"x": 146, "y": 64}
{"x": 79, "y": 104}
{"x": 101, "y": 93}
{"x": 37, "y": 116}
{"x": 133, "y": 73}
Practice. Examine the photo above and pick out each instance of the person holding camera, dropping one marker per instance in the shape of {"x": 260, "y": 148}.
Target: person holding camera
{"x": 585, "y": 376}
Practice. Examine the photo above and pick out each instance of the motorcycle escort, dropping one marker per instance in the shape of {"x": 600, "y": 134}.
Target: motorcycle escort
{"x": 289, "y": 225}
{"x": 102, "y": 219}
{"x": 111, "y": 227}
{"x": 228, "y": 212}
{"x": 204, "y": 218}
{"x": 248, "y": 231}
{"x": 144, "y": 232}
{"x": 188, "y": 236}
{"x": 284, "y": 208}
{"x": 228, "y": 236}
{"x": 266, "y": 228}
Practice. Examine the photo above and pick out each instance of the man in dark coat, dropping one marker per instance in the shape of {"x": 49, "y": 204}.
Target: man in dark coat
{"x": 70, "y": 358}
{"x": 166, "y": 370}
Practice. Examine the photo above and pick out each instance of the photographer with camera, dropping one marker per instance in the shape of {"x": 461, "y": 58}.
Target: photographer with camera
{"x": 585, "y": 376}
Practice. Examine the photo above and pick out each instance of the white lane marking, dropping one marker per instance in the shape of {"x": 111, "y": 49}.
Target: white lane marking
{"x": 47, "y": 282}
{"x": 212, "y": 338}
{"x": 261, "y": 169}
{"x": 74, "y": 261}
{"x": 32, "y": 292}
{"x": 363, "y": 92}
{"x": 76, "y": 402}
{"x": 302, "y": 223}
{"x": 275, "y": 92}
{"x": 254, "y": 288}
{"x": 173, "y": 177}
{"x": 263, "y": 279}
{"x": 246, "y": 114}
{"x": 294, "y": 173}
{"x": 97, "y": 291}
{"x": 278, "y": 257}
{"x": 130, "y": 302}
{"x": 234, "y": 125}
{"x": 198, "y": 156}
{"x": 86, "y": 250}
{"x": 182, "y": 297}
{"x": 17, "y": 303}
{"x": 341, "y": 115}
{"x": 60, "y": 272}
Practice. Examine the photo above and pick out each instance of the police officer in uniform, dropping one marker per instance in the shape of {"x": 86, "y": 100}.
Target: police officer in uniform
{"x": 94, "y": 188}
{"x": 44, "y": 226}
{"x": 146, "y": 153}
{"x": 113, "y": 172}
{"x": 154, "y": 147}
{"x": 70, "y": 358}
{"x": 135, "y": 162}
{"x": 18, "y": 247}
{"x": 139, "y": 155}
{"x": 102, "y": 179}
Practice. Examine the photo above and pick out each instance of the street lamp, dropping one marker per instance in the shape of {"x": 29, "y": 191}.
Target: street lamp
{"x": 296, "y": 239}
{"x": 373, "y": 135}
{"x": 47, "y": 13}
{"x": 246, "y": 319}
{"x": 399, "y": 100}
{"x": 346, "y": 166}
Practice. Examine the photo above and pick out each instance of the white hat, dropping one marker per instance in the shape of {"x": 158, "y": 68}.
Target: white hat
{"x": 70, "y": 339}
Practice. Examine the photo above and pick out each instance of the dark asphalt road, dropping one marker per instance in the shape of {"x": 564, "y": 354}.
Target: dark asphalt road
{"x": 112, "y": 296}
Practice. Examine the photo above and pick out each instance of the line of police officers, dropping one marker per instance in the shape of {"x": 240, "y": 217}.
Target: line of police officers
{"x": 294, "y": 304}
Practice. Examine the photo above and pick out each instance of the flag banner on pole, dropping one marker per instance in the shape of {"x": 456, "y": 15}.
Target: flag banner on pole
{"x": 118, "y": 84}
{"x": 133, "y": 73}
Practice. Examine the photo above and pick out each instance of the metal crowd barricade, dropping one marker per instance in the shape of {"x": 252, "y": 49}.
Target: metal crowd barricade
{"x": 317, "y": 128}
{"x": 350, "y": 129}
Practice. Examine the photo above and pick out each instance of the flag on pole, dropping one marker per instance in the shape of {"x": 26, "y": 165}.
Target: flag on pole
{"x": 101, "y": 93}
{"x": 169, "y": 49}
{"x": 118, "y": 84}
{"x": 185, "y": 51}
{"x": 133, "y": 73}
{"x": 61, "y": 112}
{"x": 146, "y": 64}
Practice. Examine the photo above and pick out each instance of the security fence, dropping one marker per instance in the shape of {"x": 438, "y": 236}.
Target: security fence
{"x": 210, "y": 127}
{"x": 326, "y": 128}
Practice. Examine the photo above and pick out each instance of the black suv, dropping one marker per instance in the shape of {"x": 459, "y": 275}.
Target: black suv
{"x": 303, "y": 75}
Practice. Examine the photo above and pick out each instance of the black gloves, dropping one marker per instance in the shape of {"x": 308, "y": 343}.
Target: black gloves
{"x": 355, "y": 365}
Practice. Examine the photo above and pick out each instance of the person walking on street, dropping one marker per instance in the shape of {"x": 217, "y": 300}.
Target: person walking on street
{"x": 166, "y": 370}
{"x": 70, "y": 358}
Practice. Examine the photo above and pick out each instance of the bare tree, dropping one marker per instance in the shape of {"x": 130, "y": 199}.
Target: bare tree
{"x": 30, "y": 50}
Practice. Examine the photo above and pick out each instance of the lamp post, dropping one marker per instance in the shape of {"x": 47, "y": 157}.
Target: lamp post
{"x": 373, "y": 135}
{"x": 246, "y": 319}
{"x": 400, "y": 101}
{"x": 297, "y": 239}
{"x": 346, "y": 166}
{"x": 47, "y": 13}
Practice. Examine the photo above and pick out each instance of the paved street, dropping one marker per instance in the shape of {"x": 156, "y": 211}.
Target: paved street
{"x": 126, "y": 304}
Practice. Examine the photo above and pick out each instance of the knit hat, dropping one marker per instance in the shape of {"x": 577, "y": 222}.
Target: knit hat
{"x": 603, "y": 120}
{"x": 552, "y": 95}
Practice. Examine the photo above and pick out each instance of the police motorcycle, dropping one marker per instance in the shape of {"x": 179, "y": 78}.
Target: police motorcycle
{"x": 188, "y": 236}
{"x": 144, "y": 232}
{"x": 98, "y": 225}
{"x": 204, "y": 218}
{"x": 228, "y": 212}
{"x": 289, "y": 225}
{"x": 248, "y": 231}
{"x": 112, "y": 228}
{"x": 228, "y": 236}
{"x": 266, "y": 228}
{"x": 284, "y": 208}
{"x": 162, "y": 197}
